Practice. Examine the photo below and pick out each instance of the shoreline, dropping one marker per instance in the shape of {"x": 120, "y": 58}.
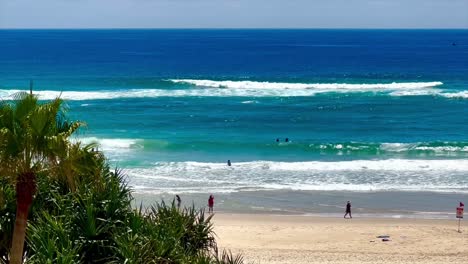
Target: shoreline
{"x": 328, "y": 204}
{"x": 271, "y": 239}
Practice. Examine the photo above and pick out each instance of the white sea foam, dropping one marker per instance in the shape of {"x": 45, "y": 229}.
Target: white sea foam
{"x": 355, "y": 165}
{"x": 433, "y": 92}
{"x": 461, "y": 95}
{"x": 99, "y": 95}
{"x": 209, "y": 88}
{"x": 127, "y": 144}
{"x": 443, "y": 149}
{"x": 113, "y": 146}
{"x": 396, "y": 147}
{"x": 420, "y": 92}
{"x": 404, "y": 147}
{"x": 319, "y": 86}
{"x": 438, "y": 175}
{"x": 357, "y": 175}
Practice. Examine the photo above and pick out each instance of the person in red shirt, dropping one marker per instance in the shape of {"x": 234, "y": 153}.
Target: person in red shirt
{"x": 210, "y": 204}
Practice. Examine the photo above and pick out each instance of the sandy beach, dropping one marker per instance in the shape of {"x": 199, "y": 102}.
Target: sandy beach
{"x": 268, "y": 239}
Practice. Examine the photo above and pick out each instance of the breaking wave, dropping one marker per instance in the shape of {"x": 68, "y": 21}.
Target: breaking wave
{"x": 317, "y": 86}
{"x": 211, "y": 88}
{"x": 418, "y": 149}
{"x": 357, "y": 175}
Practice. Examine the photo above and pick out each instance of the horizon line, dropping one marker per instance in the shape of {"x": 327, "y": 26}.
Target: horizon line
{"x": 229, "y": 28}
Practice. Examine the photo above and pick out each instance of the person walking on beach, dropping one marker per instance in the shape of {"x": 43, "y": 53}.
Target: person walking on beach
{"x": 348, "y": 210}
{"x": 210, "y": 204}
{"x": 178, "y": 201}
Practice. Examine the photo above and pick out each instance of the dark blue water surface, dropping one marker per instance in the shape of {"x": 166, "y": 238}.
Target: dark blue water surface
{"x": 135, "y": 57}
{"x": 153, "y": 96}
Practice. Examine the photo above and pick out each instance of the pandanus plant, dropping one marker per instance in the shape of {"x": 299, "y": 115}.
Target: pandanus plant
{"x": 33, "y": 138}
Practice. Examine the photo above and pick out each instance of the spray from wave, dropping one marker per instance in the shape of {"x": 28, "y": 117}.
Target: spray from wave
{"x": 318, "y": 86}
{"x": 211, "y": 88}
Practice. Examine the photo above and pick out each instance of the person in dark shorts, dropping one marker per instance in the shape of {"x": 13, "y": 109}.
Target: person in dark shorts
{"x": 348, "y": 210}
{"x": 210, "y": 204}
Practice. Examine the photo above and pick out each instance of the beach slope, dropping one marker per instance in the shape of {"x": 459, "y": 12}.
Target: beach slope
{"x": 269, "y": 239}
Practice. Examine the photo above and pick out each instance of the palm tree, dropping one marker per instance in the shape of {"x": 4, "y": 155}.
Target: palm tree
{"x": 32, "y": 137}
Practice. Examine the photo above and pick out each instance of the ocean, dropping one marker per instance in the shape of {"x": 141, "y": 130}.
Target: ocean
{"x": 378, "y": 117}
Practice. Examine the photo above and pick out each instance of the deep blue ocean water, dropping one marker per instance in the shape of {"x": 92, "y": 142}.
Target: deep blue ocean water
{"x": 364, "y": 110}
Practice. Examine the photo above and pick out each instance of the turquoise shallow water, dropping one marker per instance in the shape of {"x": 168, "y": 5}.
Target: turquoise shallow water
{"x": 365, "y": 111}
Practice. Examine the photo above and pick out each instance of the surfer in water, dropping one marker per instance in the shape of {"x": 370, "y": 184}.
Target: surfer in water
{"x": 229, "y": 162}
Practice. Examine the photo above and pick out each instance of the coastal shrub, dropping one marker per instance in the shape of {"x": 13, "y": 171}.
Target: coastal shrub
{"x": 50, "y": 240}
{"x": 225, "y": 257}
{"x": 75, "y": 208}
{"x": 97, "y": 224}
{"x": 213, "y": 256}
{"x": 192, "y": 230}
{"x": 164, "y": 234}
{"x": 7, "y": 217}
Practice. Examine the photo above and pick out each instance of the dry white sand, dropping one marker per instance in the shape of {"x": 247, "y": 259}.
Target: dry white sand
{"x": 303, "y": 239}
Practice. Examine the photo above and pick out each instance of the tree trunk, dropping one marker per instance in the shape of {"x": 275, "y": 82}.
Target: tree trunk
{"x": 25, "y": 189}
{"x": 19, "y": 235}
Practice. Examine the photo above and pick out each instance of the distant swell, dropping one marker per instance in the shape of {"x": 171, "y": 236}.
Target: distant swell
{"x": 417, "y": 149}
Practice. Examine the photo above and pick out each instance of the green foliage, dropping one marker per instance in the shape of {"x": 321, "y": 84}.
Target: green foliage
{"x": 50, "y": 240}
{"x": 165, "y": 234}
{"x": 7, "y": 217}
{"x": 96, "y": 224}
{"x": 226, "y": 257}
{"x": 190, "y": 227}
{"x": 82, "y": 212}
{"x": 32, "y": 134}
